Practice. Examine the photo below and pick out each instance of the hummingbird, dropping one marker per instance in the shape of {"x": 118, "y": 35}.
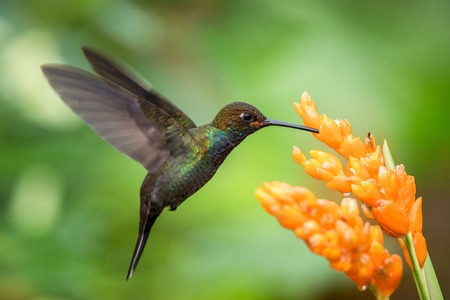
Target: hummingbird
{"x": 180, "y": 157}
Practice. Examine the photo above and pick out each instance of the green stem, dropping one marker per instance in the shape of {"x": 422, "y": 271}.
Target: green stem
{"x": 419, "y": 276}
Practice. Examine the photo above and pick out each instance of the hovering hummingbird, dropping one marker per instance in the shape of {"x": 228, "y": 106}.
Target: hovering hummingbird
{"x": 127, "y": 113}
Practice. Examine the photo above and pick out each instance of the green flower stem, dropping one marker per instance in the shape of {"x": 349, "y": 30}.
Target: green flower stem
{"x": 419, "y": 276}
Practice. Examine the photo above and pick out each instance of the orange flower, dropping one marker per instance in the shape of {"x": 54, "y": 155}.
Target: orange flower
{"x": 335, "y": 232}
{"x": 308, "y": 110}
{"x": 324, "y": 166}
{"x": 388, "y": 195}
{"x": 387, "y": 277}
{"x": 391, "y": 218}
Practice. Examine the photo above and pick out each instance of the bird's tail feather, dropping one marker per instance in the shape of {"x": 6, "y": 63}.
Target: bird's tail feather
{"x": 141, "y": 241}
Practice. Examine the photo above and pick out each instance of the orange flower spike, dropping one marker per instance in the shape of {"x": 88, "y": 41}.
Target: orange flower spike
{"x": 391, "y": 218}
{"x": 331, "y": 133}
{"x": 367, "y": 192}
{"x": 333, "y": 231}
{"x": 387, "y": 278}
{"x": 387, "y": 180}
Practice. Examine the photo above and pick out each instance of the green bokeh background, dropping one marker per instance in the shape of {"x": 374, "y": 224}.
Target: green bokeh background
{"x": 69, "y": 201}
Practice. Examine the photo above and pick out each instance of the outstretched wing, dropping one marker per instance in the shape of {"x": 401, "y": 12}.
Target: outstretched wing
{"x": 129, "y": 123}
{"x": 125, "y": 77}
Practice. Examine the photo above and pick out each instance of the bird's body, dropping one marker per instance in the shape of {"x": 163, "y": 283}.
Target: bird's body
{"x": 179, "y": 156}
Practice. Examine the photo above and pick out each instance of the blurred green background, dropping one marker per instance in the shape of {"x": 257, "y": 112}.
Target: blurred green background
{"x": 69, "y": 202}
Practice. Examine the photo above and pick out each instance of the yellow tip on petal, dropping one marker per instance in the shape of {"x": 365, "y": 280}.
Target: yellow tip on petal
{"x": 298, "y": 156}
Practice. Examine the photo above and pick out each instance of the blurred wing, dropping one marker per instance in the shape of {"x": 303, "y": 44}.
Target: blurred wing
{"x": 128, "y": 79}
{"x": 130, "y": 124}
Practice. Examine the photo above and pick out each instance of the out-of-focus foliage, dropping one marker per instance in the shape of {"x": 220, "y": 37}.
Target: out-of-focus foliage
{"x": 69, "y": 202}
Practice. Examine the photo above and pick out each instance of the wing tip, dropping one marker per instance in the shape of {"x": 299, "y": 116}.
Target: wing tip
{"x": 89, "y": 51}
{"x": 48, "y": 68}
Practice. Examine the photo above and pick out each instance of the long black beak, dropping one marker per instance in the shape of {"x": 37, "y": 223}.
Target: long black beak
{"x": 270, "y": 122}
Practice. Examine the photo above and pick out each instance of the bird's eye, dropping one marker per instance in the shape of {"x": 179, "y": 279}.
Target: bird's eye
{"x": 247, "y": 117}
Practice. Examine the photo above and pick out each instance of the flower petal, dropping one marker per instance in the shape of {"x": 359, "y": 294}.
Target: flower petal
{"x": 415, "y": 215}
{"x": 387, "y": 278}
{"x": 331, "y": 134}
{"x": 392, "y": 218}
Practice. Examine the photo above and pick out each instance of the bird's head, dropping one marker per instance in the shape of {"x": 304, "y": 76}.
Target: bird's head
{"x": 244, "y": 119}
